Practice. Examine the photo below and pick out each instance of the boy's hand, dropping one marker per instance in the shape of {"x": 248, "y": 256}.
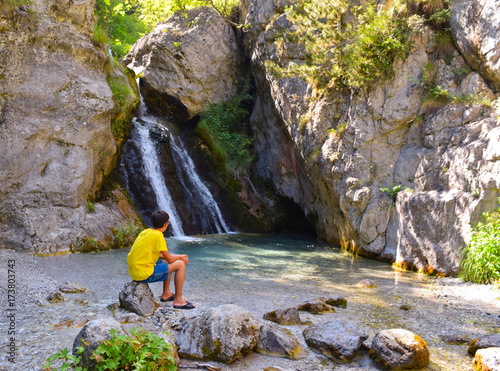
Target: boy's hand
{"x": 184, "y": 258}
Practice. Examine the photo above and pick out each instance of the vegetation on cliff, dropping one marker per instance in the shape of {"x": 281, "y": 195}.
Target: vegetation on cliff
{"x": 347, "y": 46}
{"x": 127, "y": 21}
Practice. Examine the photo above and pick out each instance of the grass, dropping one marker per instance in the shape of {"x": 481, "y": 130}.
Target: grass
{"x": 480, "y": 259}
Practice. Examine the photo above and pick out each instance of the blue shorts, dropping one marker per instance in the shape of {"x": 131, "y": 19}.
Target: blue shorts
{"x": 160, "y": 273}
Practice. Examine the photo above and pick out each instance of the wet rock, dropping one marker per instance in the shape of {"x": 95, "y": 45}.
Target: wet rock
{"x": 334, "y": 300}
{"x": 487, "y": 341}
{"x": 487, "y": 359}
{"x": 316, "y": 307}
{"x": 137, "y": 297}
{"x": 91, "y": 336}
{"x": 366, "y": 284}
{"x": 276, "y": 341}
{"x": 288, "y": 316}
{"x": 405, "y": 306}
{"x": 55, "y": 297}
{"x": 337, "y": 340}
{"x": 71, "y": 287}
{"x": 222, "y": 334}
{"x": 455, "y": 339}
{"x": 398, "y": 349}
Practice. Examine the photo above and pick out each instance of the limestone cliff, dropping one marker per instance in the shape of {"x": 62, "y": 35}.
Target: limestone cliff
{"x": 56, "y": 141}
{"x": 447, "y": 157}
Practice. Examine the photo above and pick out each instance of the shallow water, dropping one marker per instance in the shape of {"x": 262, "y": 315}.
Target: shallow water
{"x": 263, "y": 273}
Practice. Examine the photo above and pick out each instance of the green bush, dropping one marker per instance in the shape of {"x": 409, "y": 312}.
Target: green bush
{"x": 225, "y": 123}
{"x": 480, "y": 259}
{"x": 139, "y": 351}
{"x": 392, "y": 191}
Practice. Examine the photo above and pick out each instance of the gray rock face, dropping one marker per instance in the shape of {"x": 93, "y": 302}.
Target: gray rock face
{"x": 56, "y": 141}
{"x": 275, "y": 341}
{"x": 337, "y": 340}
{"x": 444, "y": 155}
{"x": 487, "y": 341}
{"x": 91, "y": 336}
{"x": 138, "y": 298}
{"x": 487, "y": 359}
{"x": 223, "y": 334}
{"x": 399, "y": 349}
{"x": 187, "y": 63}
{"x": 476, "y": 30}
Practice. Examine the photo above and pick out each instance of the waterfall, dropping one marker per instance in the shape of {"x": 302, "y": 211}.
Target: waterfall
{"x": 205, "y": 212}
{"x": 154, "y": 174}
{"x": 196, "y": 191}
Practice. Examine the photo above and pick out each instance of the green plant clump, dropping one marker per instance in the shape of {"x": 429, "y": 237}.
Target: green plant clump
{"x": 392, "y": 191}
{"x": 225, "y": 123}
{"x": 480, "y": 259}
{"x": 139, "y": 351}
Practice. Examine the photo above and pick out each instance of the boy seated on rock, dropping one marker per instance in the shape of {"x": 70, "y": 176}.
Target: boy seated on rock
{"x": 149, "y": 261}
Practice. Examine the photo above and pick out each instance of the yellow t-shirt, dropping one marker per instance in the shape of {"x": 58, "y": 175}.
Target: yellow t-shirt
{"x": 144, "y": 254}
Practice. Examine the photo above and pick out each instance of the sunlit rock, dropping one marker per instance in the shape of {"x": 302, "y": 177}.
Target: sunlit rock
{"x": 138, "y": 298}
{"x": 275, "y": 341}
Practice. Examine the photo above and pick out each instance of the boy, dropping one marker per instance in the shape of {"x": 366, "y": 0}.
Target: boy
{"x": 149, "y": 261}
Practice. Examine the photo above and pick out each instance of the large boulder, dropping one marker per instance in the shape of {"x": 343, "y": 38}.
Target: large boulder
{"x": 187, "y": 62}
{"x": 337, "y": 340}
{"x": 222, "y": 334}
{"x": 138, "y": 298}
{"x": 91, "y": 336}
{"x": 399, "y": 349}
{"x": 476, "y": 31}
{"x": 57, "y": 145}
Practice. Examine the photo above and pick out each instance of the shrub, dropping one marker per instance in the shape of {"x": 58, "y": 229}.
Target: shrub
{"x": 392, "y": 191}
{"x": 139, "y": 351}
{"x": 480, "y": 259}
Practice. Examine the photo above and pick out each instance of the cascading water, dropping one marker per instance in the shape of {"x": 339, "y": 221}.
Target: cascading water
{"x": 196, "y": 192}
{"x": 154, "y": 174}
{"x": 205, "y": 213}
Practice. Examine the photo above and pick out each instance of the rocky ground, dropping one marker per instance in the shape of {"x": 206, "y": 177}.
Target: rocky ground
{"x": 436, "y": 310}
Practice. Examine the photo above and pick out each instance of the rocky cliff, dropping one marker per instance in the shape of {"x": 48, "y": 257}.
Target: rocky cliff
{"x": 445, "y": 158}
{"x": 57, "y": 145}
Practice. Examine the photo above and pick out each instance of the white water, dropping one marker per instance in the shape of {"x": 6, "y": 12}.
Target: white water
{"x": 155, "y": 176}
{"x": 197, "y": 191}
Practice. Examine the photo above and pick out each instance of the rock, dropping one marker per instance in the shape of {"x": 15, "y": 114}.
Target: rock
{"x": 366, "y": 284}
{"x": 334, "y": 300}
{"x": 188, "y": 63}
{"x": 138, "y": 298}
{"x": 487, "y": 341}
{"x": 476, "y": 30}
{"x": 316, "y": 307}
{"x": 399, "y": 349}
{"x": 91, "y": 336}
{"x": 71, "y": 287}
{"x": 487, "y": 359}
{"x": 276, "y": 341}
{"x": 127, "y": 317}
{"x": 455, "y": 338}
{"x": 57, "y": 144}
{"x": 337, "y": 340}
{"x": 55, "y": 297}
{"x": 289, "y": 316}
{"x": 222, "y": 334}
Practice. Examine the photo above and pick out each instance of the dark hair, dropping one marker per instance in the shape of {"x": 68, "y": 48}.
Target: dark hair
{"x": 159, "y": 218}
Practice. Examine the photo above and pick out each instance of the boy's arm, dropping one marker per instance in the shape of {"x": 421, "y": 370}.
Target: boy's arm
{"x": 170, "y": 258}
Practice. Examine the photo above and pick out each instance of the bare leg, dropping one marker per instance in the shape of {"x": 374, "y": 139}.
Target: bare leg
{"x": 166, "y": 286}
{"x": 178, "y": 268}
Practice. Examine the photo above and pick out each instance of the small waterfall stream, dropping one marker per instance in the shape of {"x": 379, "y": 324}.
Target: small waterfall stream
{"x": 198, "y": 197}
